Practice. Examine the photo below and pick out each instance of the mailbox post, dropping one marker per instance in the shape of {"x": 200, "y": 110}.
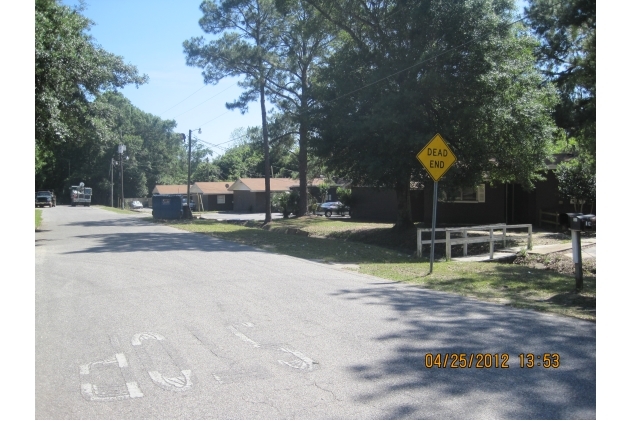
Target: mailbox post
{"x": 579, "y": 222}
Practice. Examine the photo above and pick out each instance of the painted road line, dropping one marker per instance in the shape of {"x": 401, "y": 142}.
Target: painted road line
{"x": 147, "y": 343}
{"x": 108, "y": 380}
{"x": 132, "y": 386}
{"x": 243, "y": 337}
{"x": 301, "y": 363}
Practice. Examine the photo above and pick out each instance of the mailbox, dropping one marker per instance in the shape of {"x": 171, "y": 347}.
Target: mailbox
{"x": 580, "y": 222}
{"x": 574, "y": 221}
{"x": 588, "y": 222}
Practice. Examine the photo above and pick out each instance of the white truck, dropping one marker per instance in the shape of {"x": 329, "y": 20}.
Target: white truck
{"x": 80, "y": 195}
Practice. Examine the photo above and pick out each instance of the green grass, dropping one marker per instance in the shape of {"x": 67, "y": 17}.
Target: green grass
{"x": 38, "y": 218}
{"x": 515, "y": 285}
{"x": 508, "y": 284}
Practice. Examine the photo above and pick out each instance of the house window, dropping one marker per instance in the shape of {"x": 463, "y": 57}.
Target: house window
{"x": 221, "y": 199}
{"x": 468, "y": 195}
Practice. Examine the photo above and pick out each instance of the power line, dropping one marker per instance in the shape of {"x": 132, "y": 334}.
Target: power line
{"x": 203, "y": 102}
{"x": 212, "y": 145}
{"x": 161, "y": 114}
{"x": 213, "y": 119}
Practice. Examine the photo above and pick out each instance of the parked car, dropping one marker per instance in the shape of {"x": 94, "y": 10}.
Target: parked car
{"x": 193, "y": 204}
{"x": 45, "y": 198}
{"x": 332, "y": 208}
{"x": 135, "y": 205}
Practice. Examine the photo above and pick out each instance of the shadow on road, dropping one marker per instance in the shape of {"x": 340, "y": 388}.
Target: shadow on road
{"x": 143, "y": 241}
{"x": 133, "y": 221}
{"x": 442, "y": 323}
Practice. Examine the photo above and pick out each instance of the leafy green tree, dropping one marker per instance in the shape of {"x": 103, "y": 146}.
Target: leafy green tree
{"x": 323, "y": 190}
{"x": 206, "y": 171}
{"x": 345, "y": 196}
{"x": 154, "y": 155}
{"x": 577, "y": 181}
{"x": 246, "y": 159}
{"x": 240, "y": 161}
{"x": 567, "y": 56}
{"x": 70, "y": 71}
{"x": 245, "y": 48}
{"x": 305, "y": 40}
{"x": 409, "y": 70}
{"x": 286, "y": 202}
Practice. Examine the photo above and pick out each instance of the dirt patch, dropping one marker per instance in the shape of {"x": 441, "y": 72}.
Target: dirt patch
{"x": 572, "y": 299}
{"x": 557, "y": 262}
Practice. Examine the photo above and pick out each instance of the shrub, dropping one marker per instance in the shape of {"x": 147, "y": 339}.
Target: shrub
{"x": 345, "y": 196}
{"x": 577, "y": 181}
{"x": 286, "y": 203}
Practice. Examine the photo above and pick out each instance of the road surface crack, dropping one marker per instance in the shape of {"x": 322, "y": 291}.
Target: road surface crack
{"x": 327, "y": 390}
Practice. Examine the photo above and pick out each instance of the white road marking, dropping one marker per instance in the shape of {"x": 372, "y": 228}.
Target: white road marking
{"x": 126, "y": 390}
{"x": 86, "y": 389}
{"x": 178, "y": 384}
{"x": 243, "y": 337}
{"x": 122, "y": 361}
{"x": 134, "y": 390}
{"x": 138, "y": 337}
{"x": 302, "y": 363}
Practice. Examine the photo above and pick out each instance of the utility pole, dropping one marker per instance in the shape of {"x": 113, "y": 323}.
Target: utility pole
{"x": 188, "y": 183}
{"x": 112, "y": 182}
{"x": 121, "y": 149}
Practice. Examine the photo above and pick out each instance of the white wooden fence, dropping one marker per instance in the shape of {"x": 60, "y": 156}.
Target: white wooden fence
{"x": 491, "y": 238}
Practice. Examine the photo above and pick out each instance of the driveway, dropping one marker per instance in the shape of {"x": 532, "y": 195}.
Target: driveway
{"x": 236, "y": 216}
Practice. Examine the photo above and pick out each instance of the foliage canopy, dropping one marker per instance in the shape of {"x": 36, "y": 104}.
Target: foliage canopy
{"x": 567, "y": 56}
{"x": 409, "y": 70}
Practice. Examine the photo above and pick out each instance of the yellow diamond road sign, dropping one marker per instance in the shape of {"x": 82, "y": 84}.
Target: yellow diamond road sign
{"x": 436, "y": 157}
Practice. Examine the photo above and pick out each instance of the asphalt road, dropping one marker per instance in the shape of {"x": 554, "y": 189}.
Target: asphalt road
{"x": 135, "y": 320}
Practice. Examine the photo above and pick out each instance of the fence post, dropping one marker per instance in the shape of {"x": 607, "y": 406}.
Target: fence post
{"x": 504, "y": 237}
{"x": 447, "y": 245}
{"x": 491, "y": 243}
{"x": 419, "y": 243}
{"x": 529, "y": 236}
{"x": 464, "y": 246}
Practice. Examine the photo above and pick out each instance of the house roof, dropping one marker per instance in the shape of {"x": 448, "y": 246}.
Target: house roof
{"x": 170, "y": 189}
{"x": 258, "y": 184}
{"x": 215, "y": 187}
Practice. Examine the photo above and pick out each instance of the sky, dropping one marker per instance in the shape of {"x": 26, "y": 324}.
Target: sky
{"x": 149, "y": 34}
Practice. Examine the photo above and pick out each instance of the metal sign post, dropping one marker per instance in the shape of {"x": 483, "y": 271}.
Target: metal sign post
{"x": 431, "y": 254}
{"x": 437, "y": 157}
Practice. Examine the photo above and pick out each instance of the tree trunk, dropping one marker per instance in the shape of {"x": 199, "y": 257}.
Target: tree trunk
{"x": 268, "y": 202}
{"x": 404, "y": 210}
{"x": 303, "y": 143}
{"x": 302, "y": 166}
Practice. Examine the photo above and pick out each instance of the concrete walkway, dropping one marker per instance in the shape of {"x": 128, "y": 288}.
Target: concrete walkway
{"x": 588, "y": 247}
